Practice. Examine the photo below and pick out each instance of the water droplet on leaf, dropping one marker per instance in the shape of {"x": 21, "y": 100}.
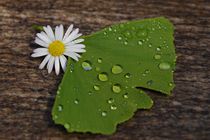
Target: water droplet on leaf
{"x": 104, "y": 114}
{"x": 142, "y": 33}
{"x": 110, "y": 100}
{"x": 119, "y": 38}
{"x": 149, "y": 83}
{"x": 127, "y": 75}
{"x": 76, "y": 101}
{"x": 127, "y": 34}
{"x": 116, "y": 69}
{"x": 55, "y": 117}
{"x": 147, "y": 71}
{"x": 96, "y": 87}
{"x": 150, "y": 45}
{"x": 140, "y": 42}
{"x": 164, "y": 66}
{"x": 170, "y": 84}
{"x": 67, "y": 125}
{"x": 116, "y": 88}
{"x": 125, "y": 95}
{"x": 86, "y": 65}
{"x": 99, "y": 60}
{"x": 103, "y": 76}
{"x": 71, "y": 67}
{"x": 113, "y": 107}
{"x": 90, "y": 92}
{"x": 125, "y": 42}
{"x": 60, "y": 108}
{"x": 158, "y": 48}
{"x": 157, "y": 56}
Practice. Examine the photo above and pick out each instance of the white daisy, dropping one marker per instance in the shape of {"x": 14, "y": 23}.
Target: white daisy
{"x": 55, "y": 46}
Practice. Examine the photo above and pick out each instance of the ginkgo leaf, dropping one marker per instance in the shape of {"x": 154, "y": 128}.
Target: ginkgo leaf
{"x": 99, "y": 91}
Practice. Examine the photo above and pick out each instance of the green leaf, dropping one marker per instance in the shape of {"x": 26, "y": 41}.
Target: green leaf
{"x": 37, "y": 27}
{"x": 99, "y": 91}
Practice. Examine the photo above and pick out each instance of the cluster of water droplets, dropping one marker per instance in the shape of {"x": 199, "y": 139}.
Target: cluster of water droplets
{"x": 116, "y": 88}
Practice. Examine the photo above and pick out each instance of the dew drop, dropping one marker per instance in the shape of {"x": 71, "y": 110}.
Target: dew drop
{"x": 67, "y": 125}
{"x": 104, "y": 114}
{"x": 127, "y": 34}
{"x": 103, "y": 76}
{"x": 119, "y": 38}
{"x": 86, "y": 65}
{"x": 158, "y": 48}
{"x": 58, "y": 92}
{"x": 157, "y": 56}
{"x": 142, "y": 33}
{"x": 113, "y": 107}
{"x": 127, "y": 75}
{"x": 76, "y": 101}
{"x": 55, "y": 117}
{"x": 147, "y": 71}
{"x": 140, "y": 42}
{"x": 125, "y": 95}
{"x": 90, "y": 93}
{"x": 71, "y": 68}
{"x": 125, "y": 43}
{"x": 116, "y": 69}
{"x": 116, "y": 88}
{"x": 150, "y": 45}
{"x": 96, "y": 87}
{"x": 99, "y": 60}
{"x": 149, "y": 83}
{"x": 164, "y": 66}
{"x": 110, "y": 100}
{"x": 170, "y": 84}
{"x": 60, "y": 108}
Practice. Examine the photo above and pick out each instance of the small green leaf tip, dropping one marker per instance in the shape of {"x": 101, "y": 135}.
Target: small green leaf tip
{"x": 37, "y": 27}
{"x": 99, "y": 91}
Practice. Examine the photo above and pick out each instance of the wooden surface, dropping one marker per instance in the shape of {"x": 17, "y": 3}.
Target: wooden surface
{"x": 27, "y": 93}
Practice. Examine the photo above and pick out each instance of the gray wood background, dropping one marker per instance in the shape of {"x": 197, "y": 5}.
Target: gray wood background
{"x": 27, "y": 93}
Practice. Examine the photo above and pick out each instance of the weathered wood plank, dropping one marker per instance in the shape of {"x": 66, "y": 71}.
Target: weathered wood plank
{"x": 27, "y": 94}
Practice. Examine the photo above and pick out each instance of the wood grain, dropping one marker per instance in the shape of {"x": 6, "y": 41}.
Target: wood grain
{"x": 27, "y": 93}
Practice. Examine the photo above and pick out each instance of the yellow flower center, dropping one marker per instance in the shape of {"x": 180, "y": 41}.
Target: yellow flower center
{"x": 56, "y": 48}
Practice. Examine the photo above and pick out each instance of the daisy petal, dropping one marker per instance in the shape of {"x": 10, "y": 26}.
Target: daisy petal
{"x": 71, "y": 36}
{"x": 43, "y": 37}
{"x": 57, "y": 65}
{"x": 72, "y": 55}
{"x": 57, "y": 33}
{"x": 39, "y": 54}
{"x": 78, "y": 50}
{"x": 40, "y": 42}
{"x": 49, "y": 32}
{"x": 50, "y": 64}
{"x": 38, "y": 50}
{"x": 77, "y": 55}
{"x": 63, "y": 62}
{"x": 44, "y": 62}
{"x": 80, "y": 46}
{"x": 71, "y": 43}
{"x": 78, "y": 41}
{"x": 74, "y": 37}
{"x": 60, "y": 34}
{"x": 68, "y": 31}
